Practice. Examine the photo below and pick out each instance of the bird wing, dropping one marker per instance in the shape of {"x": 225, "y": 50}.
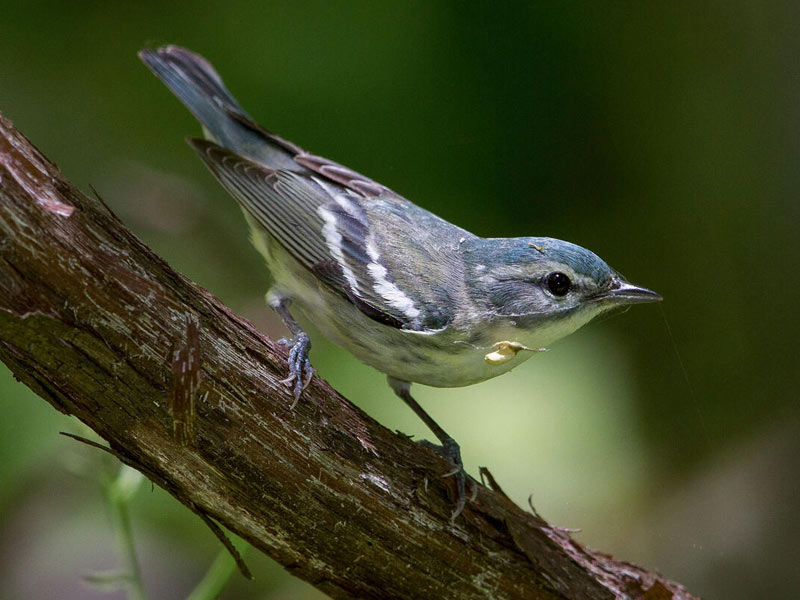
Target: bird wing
{"x": 387, "y": 256}
{"x": 326, "y": 217}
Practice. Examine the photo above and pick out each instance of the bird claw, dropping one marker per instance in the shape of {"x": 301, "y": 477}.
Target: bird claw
{"x": 451, "y": 451}
{"x": 461, "y": 494}
{"x": 300, "y": 369}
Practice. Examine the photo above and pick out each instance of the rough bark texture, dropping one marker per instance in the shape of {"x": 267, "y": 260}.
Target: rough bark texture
{"x": 189, "y": 393}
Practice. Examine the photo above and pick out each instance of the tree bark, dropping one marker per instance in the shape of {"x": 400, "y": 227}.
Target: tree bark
{"x": 189, "y": 393}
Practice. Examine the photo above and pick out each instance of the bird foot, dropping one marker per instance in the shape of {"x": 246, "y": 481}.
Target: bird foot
{"x": 451, "y": 451}
{"x": 300, "y": 369}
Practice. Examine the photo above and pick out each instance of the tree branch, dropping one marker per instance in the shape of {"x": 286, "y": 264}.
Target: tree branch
{"x": 189, "y": 393}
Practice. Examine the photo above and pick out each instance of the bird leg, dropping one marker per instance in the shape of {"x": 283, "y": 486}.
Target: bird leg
{"x": 449, "y": 448}
{"x": 300, "y": 369}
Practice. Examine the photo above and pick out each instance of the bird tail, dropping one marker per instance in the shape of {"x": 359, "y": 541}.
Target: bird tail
{"x": 195, "y": 82}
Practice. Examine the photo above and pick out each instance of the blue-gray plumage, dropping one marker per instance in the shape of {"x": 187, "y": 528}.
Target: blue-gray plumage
{"x": 408, "y": 293}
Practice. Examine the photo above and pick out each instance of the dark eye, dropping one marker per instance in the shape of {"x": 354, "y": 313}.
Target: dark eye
{"x": 558, "y": 284}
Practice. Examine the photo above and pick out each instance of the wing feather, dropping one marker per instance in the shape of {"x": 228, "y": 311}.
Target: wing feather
{"x": 326, "y": 227}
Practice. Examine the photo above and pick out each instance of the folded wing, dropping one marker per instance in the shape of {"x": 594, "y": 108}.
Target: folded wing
{"x": 326, "y": 226}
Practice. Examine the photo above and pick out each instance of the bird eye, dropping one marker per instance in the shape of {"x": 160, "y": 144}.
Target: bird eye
{"x": 558, "y": 284}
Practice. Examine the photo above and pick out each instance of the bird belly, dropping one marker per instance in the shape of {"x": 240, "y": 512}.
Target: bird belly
{"x": 442, "y": 359}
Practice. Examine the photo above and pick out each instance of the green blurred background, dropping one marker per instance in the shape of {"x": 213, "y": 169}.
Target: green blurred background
{"x": 663, "y": 136}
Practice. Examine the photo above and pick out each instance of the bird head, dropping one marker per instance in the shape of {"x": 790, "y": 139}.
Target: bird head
{"x": 547, "y": 285}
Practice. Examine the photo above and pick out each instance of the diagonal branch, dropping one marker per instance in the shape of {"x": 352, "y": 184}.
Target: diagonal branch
{"x": 103, "y": 329}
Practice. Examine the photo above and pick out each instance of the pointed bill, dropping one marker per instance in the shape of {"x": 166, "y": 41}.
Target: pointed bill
{"x": 622, "y": 292}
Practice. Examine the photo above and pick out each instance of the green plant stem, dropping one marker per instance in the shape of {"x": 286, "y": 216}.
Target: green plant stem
{"x": 119, "y": 492}
{"x": 218, "y": 574}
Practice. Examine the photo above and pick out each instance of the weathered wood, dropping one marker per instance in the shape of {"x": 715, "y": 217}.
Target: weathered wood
{"x": 189, "y": 393}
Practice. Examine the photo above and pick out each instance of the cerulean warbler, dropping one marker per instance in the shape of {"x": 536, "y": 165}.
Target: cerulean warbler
{"x": 406, "y": 292}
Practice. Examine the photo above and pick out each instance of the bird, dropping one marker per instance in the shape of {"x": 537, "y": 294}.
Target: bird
{"x": 403, "y": 290}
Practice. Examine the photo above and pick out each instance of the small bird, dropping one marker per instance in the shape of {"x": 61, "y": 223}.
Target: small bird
{"x": 406, "y": 292}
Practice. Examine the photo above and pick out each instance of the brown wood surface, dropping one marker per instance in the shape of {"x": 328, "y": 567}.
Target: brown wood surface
{"x": 189, "y": 393}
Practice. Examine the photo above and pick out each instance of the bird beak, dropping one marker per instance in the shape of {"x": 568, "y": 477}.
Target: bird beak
{"x": 622, "y": 292}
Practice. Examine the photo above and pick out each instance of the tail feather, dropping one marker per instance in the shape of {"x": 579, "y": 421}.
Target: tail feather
{"x": 195, "y": 82}
{"x": 189, "y": 76}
